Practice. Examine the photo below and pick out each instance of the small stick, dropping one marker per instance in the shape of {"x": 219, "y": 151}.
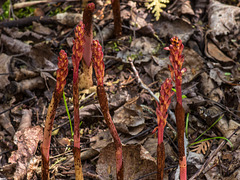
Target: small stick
{"x": 17, "y": 104}
{"x": 144, "y": 86}
{"x": 140, "y": 82}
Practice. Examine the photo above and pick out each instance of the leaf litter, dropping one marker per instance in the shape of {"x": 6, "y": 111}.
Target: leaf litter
{"x": 211, "y": 80}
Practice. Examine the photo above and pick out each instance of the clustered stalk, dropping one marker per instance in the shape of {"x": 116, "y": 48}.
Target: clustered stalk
{"x": 176, "y": 59}
{"x": 85, "y": 75}
{"x": 99, "y": 67}
{"x": 56, "y": 97}
{"x": 117, "y": 18}
{"x": 76, "y": 58}
{"x": 88, "y": 35}
{"x": 161, "y": 111}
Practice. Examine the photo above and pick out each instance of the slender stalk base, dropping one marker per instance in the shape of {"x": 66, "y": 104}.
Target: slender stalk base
{"x": 77, "y": 163}
{"x": 117, "y": 18}
{"x": 180, "y": 120}
{"x": 76, "y": 149}
{"x": 102, "y": 97}
{"x": 160, "y": 161}
{"x": 48, "y": 133}
{"x": 183, "y": 168}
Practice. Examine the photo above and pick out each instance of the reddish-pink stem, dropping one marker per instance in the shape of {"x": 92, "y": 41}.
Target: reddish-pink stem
{"x": 102, "y": 97}
{"x": 178, "y": 92}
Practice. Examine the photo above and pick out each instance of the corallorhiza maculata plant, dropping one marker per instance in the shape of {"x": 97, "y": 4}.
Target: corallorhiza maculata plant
{"x": 176, "y": 58}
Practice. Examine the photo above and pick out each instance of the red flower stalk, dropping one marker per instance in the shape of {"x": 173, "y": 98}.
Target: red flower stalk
{"x": 87, "y": 21}
{"x": 117, "y": 18}
{"x": 176, "y": 59}
{"x": 56, "y": 97}
{"x": 98, "y": 63}
{"x": 77, "y": 50}
{"x": 161, "y": 111}
{"x": 76, "y": 58}
{"x": 99, "y": 67}
{"x": 85, "y": 75}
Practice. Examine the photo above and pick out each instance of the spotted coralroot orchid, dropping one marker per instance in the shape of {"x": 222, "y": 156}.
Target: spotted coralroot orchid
{"x": 85, "y": 73}
{"x": 77, "y": 49}
{"x": 62, "y": 73}
{"x": 176, "y": 59}
{"x": 76, "y": 58}
{"x": 98, "y": 63}
{"x": 117, "y": 18}
{"x": 99, "y": 67}
{"x": 161, "y": 111}
{"x": 87, "y": 20}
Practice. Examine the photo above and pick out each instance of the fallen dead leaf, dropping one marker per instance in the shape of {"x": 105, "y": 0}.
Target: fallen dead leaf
{"x": 222, "y": 18}
{"x": 27, "y": 141}
{"x": 214, "y": 52}
{"x": 129, "y": 119}
{"x": 5, "y": 121}
{"x": 137, "y": 163}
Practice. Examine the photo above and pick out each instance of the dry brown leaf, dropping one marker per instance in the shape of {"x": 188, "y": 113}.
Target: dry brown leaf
{"x": 5, "y": 121}
{"x": 201, "y": 147}
{"x": 4, "y": 68}
{"x": 129, "y": 119}
{"x": 136, "y": 159}
{"x": 27, "y": 141}
{"x": 214, "y": 52}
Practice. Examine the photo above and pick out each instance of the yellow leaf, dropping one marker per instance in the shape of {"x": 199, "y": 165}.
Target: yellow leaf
{"x": 156, "y": 6}
{"x": 120, "y": 68}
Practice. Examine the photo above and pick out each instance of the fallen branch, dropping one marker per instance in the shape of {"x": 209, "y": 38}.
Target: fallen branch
{"x": 28, "y": 84}
{"x": 28, "y": 21}
{"x": 32, "y": 3}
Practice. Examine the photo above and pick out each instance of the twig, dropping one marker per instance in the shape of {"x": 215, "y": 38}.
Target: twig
{"x": 27, "y": 21}
{"x": 93, "y": 176}
{"x": 18, "y": 104}
{"x": 140, "y": 82}
{"x": 222, "y": 107}
{"x": 211, "y": 156}
{"x": 144, "y": 86}
{"x": 32, "y": 3}
{"x": 11, "y": 11}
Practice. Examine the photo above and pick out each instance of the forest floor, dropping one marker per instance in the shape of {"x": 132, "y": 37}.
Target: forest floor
{"x": 31, "y": 39}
